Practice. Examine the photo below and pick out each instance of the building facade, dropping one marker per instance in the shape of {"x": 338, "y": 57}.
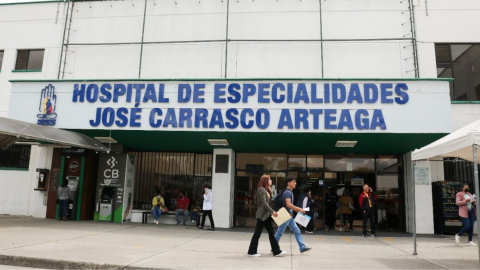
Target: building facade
{"x": 281, "y": 81}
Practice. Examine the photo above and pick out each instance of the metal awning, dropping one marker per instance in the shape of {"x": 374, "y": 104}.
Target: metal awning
{"x": 12, "y": 131}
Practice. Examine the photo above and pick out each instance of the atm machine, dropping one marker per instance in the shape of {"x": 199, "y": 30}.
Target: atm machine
{"x": 107, "y": 200}
{"x": 73, "y": 182}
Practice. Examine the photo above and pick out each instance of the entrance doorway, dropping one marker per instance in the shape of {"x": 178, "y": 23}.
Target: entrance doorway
{"x": 317, "y": 173}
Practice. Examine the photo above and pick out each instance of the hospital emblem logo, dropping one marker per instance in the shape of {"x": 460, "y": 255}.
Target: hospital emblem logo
{"x": 47, "y": 106}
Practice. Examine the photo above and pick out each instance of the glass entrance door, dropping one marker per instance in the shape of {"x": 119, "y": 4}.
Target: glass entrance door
{"x": 245, "y": 188}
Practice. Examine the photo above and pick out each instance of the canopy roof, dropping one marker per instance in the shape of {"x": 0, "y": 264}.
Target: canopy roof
{"x": 457, "y": 144}
{"x": 14, "y": 130}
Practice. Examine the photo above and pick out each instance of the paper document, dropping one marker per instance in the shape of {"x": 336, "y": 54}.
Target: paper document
{"x": 306, "y": 209}
{"x": 302, "y": 219}
{"x": 283, "y": 216}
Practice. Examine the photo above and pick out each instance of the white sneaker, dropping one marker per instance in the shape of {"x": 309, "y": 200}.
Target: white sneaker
{"x": 192, "y": 222}
{"x": 472, "y": 244}
{"x": 156, "y": 222}
{"x": 457, "y": 238}
{"x": 281, "y": 254}
{"x": 255, "y": 255}
{"x": 341, "y": 229}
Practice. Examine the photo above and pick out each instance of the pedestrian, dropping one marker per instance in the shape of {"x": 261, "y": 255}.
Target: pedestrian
{"x": 366, "y": 201}
{"x": 287, "y": 199}
{"x": 63, "y": 193}
{"x": 181, "y": 208}
{"x": 157, "y": 203}
{"x": 466, "y": 211}
{"x": 346, "y": 205}
{"x": 264, "y": 219}
{"x": 331, "y": 200}
{"x": 208, "y": 207}
{"x": 305, "y": 201}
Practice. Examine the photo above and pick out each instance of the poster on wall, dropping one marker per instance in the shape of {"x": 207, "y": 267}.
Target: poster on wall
{"x": 422, "y": 176}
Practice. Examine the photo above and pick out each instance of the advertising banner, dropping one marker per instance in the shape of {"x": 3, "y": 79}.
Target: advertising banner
{"x": 118, "y": 171}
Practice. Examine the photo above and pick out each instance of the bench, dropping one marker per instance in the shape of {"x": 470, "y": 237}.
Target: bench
{"x": 141, "y": 216}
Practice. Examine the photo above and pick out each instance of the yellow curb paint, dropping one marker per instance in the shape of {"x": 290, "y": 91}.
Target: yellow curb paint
{"x": 347, "y": 239}
{"x": 318, "y": 238}
{"x": 388, "y": 239}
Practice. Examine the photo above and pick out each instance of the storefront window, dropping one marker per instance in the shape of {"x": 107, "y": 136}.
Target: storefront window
{"x": 349, "y": 163}
{"x": 315, "y": 163}
{"x": 256, "y": 163}
{"x": 297, "y": 163}
{"x": 387, "y": 164}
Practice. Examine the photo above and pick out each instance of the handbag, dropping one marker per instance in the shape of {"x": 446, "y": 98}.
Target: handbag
{"x": 351, "y": 206}
{"x": 164, "y": 209}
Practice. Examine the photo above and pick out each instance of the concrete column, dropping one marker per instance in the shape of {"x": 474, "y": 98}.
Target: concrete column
{"x": 223, "y": 188}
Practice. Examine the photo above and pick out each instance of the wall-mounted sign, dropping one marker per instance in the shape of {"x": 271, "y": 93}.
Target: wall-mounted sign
{"x": 422, "y": 176}
{"x": 357, "y": 181}
{"x": 267, "y": 105}
{"x": 74, "y": 166}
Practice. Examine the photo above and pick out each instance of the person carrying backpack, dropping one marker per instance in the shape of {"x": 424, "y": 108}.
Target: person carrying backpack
{"x": 286, "y": 200}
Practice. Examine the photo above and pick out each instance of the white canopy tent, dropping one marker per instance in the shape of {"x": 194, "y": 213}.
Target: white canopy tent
{"x": 463, "y": 143}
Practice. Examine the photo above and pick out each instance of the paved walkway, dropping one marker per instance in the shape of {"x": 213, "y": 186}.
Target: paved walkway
{"x": 46, "y": 243}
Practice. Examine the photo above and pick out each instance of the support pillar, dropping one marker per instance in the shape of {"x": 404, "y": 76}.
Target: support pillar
{"x": 223, "y": 175}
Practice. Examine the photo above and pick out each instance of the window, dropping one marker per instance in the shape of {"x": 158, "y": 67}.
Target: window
{"x": 1, "y": 59}
{"x": 461, "y": 62}
{"x": 15, "y": 157}
{"x": 29, "y": 60}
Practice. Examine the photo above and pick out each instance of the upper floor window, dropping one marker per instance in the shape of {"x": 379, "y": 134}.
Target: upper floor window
{"x": 1, "y": 59}
{"x": 29, "y": 60}
{"x": 461, "y": 62}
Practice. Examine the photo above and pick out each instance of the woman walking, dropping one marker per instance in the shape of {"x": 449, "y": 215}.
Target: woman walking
{"x": 208, "y": 207}
{"x": 466, "y": 211}
{"x": 264, "y": 219}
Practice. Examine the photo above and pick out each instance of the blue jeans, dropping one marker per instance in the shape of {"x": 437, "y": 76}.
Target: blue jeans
{"x": 468, "y": 225}
{"x": 177, "y": 215}
{"x": 62, "y": 208}
{"x": 193, "y": 216}
{"x": 298, "y": 235}
{"x": 156, "y": 212}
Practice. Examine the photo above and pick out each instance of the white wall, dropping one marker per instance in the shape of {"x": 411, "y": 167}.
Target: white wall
{"x": 223, "y": 187}
{"x": 17, "y": 194}
{"x": 464, "y": 114}
{"x": 29, "y": 26}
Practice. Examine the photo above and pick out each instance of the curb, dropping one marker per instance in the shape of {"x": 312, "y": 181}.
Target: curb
{"x": 60, "y": 264}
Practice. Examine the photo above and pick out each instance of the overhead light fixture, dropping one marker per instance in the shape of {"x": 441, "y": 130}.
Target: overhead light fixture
{"x": 219, "y": 142}
{"x": 346, "y": 144}
{"x": 105, "y": 139}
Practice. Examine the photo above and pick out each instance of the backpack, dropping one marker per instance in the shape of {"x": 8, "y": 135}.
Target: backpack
{"x": 279, "y": 202}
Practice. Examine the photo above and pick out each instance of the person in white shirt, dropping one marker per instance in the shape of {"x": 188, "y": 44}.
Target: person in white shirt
{"x": 208, "y": 207}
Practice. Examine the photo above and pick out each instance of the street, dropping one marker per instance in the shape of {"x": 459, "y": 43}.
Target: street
{"x": 44, "y": 243}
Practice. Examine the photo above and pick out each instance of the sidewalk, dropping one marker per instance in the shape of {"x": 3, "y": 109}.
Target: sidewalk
{"x": 46, "y": 243}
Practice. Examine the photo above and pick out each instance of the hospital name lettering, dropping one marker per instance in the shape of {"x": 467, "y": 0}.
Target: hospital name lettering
{"x": 293, "y": 115}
